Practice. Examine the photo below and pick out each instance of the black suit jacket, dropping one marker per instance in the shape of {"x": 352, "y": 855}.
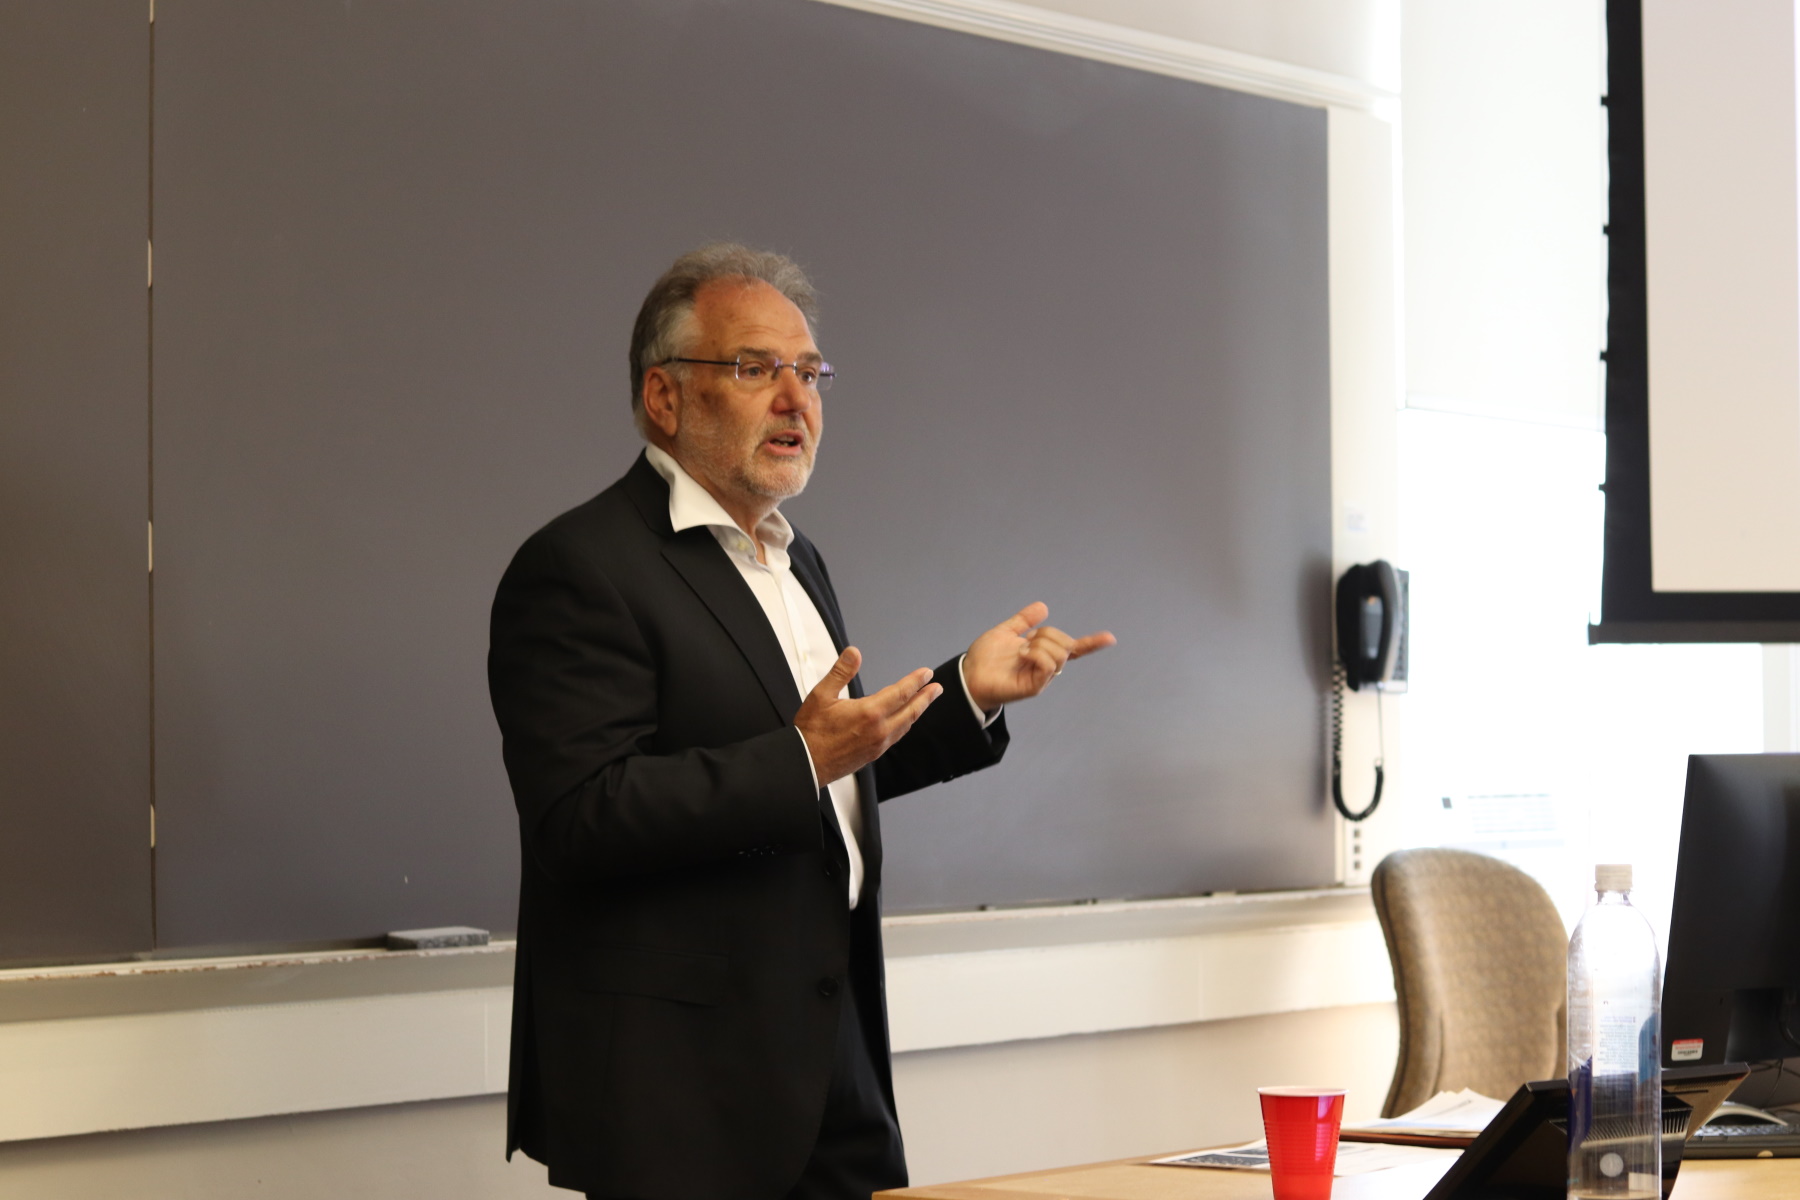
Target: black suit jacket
{"x": 683, "y": 921}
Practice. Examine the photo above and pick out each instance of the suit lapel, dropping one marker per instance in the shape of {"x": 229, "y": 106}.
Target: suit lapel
{"x": 697, "y": 556}
{"x": 804, "y": 560}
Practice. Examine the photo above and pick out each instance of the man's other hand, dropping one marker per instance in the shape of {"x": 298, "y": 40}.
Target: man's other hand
{"x": 843, "y": 735}
{"x": 1018, "y": 658}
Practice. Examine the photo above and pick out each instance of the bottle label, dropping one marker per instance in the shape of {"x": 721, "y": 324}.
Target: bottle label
{"x": 1618, "y": 1037}
{"x": 1687, "y": 1049}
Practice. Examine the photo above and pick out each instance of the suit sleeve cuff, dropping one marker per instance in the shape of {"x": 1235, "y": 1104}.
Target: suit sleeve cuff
{"x": 810, "y": 764}
{"x": 983, "y": 719}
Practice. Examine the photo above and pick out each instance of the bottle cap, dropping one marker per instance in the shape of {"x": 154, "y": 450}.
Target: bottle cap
{"x": 1612, "y": 877}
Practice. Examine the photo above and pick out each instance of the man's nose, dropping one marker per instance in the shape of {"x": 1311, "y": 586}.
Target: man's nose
{"x": 790, "y": 394}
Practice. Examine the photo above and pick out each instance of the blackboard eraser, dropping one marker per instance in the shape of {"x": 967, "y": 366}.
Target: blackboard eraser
{"x": 442, "y": 938}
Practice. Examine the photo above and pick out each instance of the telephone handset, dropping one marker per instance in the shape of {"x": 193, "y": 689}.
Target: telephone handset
{"x": 1371, "y": 626}
{"x": 1371, "y": 652}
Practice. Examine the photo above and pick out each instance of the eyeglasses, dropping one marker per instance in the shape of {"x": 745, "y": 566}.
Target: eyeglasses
{"x": 759, "y": 372}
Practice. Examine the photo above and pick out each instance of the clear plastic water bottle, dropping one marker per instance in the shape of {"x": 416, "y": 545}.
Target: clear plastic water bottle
{"x": 1615, "y": 1048}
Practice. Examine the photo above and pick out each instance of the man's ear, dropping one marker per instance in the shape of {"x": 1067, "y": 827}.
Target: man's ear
{"x": 662, "y": 401}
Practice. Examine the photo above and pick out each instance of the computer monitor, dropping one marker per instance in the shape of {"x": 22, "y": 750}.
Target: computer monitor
{"x": 1731, "y": 992}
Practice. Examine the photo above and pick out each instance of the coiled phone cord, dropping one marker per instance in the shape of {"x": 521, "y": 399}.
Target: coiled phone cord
{"x": 1337, "y": 748}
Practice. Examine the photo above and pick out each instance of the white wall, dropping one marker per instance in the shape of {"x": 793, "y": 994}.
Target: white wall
{"x": 1781, "y": 699}
{"x": 1366, "y": 389}
{"x": 1020, "y": 1035}
{"x": 1504, "y": 200}
{"x": 1021, "y": 1106}
{"x": 446, "y": 1150}
{"x": 967, "y": 1112}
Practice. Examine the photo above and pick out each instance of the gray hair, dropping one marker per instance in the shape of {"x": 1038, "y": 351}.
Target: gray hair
{"x": 664, "y": 326}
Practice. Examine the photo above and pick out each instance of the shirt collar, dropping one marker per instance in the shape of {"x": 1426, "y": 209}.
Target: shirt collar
{"x": 690, "y": 504}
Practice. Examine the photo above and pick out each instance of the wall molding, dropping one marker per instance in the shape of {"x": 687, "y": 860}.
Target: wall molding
{"x": 1158, "y": 53}
{"x": 84, "y": 1049}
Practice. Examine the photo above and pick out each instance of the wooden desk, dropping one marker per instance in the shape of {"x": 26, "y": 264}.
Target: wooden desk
{"x": 1135, "y": 1179}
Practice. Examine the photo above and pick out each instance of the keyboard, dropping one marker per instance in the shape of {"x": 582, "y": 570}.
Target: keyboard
{"x": 1743, "y": 1141}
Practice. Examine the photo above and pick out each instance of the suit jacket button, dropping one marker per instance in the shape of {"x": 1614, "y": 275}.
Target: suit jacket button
{"x": 830, "y": 871}
{"x": 828, "y": 987}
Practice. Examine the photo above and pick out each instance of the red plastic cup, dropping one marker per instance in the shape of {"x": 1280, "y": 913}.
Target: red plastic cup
{"x": 1301, "y": 1125}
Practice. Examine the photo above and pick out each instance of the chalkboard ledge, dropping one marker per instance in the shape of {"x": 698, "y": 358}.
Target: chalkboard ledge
{"x": 1119, "y": 920}
{"x": 183, "y": 984}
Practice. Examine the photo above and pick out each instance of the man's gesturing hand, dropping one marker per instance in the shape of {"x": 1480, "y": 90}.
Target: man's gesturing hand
{"x": 845, "y": 735}
{"x": 1018, "y": 658}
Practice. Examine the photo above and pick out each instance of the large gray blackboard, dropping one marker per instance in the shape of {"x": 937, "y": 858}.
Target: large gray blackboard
{"x": 74, "y": 481}
{"x": 1080, "y": 314}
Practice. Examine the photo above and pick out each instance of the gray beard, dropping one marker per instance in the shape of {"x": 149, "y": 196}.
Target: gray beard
{"x": 707, "y": 449}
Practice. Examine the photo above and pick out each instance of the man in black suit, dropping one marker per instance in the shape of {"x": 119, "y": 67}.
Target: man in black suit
{"x": 698, "y": 1008}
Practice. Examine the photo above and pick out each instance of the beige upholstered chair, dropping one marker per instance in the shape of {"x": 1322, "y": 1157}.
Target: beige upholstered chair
{"x": 1479, "y": 953}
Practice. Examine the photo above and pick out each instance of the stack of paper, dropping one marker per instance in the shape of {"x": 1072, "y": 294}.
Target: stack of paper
{"x": 1457, "y": 1116}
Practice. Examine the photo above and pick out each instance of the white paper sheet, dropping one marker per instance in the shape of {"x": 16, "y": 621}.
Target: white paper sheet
{"x": 1447, "y": 1114}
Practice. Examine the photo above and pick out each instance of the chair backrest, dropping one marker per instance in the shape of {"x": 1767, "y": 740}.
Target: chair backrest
{"x": 1480, "y": 960}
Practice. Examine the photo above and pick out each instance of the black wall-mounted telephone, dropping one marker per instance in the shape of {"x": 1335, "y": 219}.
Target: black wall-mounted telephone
{"x": 1371, "y": 652}
{"x": 1371, "y": 626}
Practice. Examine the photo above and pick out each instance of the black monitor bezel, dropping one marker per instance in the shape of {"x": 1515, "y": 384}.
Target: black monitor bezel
{"x": 1737, "y": 874}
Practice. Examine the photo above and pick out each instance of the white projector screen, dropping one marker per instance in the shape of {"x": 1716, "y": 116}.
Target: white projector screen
{"x": 1722, "y": 245}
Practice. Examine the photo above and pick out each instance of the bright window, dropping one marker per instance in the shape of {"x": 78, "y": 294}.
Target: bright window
{"x": 1522, "y": 741}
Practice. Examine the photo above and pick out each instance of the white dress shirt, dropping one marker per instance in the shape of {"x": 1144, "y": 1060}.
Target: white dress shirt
{"x": 805, "y": 641}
